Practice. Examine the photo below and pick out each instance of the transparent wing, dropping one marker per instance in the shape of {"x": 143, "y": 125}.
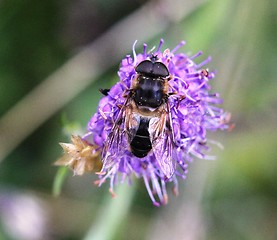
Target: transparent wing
{"x": 113, "y": 147}
{"x": 116, "y": 140}
{"x": 132, "y": 121}
{"x": 162, "y": 139}
{"x": 120, "y": 135}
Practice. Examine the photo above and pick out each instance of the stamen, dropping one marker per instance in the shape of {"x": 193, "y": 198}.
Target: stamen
{"x": 97, "y": 182}
{"x": 182, "y": 80}
{"x": 102, "y": 114}
{"x": 149, "y": 190}
{"x": 160, "y": 45}
{"x": 145, "y": 50}
{"x": 218, "y": 144}
{"x": 156, "y": 186}
{"x": 175, "y": 191}
{"x": 182, "y": 43}
{"x": 152, "y": 49}
{"x": 156, "y": 204}
{"x": 176, "y": 187}
{"x": 231, "y": 127}
{"x": 165, "y": 200}
{"x": 194, "y": 78}
{"x": 123, "y": 177}
{"x": 129, "y": 59}
{"x": 112, "y": 181}
{"x": 111, "y": 173}
{"x": 196, "y": 55}
{"x": 201, "y": 85}
{"x": 134, "y": 53}
{"x": 200, "y": 65}
{"x": 112, "y": 193}
{"x": 190, "y": 98}
{"x": 209, "y": 157}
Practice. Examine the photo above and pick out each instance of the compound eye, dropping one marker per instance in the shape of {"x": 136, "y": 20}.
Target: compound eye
{"x": 157, "y": 69}
{"x": 160, "y": 69}
{"x": 145, "y": 67}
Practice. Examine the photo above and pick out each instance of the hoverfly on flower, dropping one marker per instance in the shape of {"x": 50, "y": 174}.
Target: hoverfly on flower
{"x": 154, "y": 120}
{"x": 144, "y": 121}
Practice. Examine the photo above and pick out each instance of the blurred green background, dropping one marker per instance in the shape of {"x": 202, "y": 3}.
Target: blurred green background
{"x": 234, "y": 197}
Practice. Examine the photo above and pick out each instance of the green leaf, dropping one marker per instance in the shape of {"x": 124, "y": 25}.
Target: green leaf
{"x": 59, "y": 180}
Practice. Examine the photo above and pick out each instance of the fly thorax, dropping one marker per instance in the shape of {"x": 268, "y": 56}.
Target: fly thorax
{"x": 149, "y": 92}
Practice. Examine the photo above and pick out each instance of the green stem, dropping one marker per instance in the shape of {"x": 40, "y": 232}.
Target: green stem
{"x": 112, "y": 214}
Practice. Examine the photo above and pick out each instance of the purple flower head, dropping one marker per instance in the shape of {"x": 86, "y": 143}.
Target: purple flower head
{"x": 176, "y": 128}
